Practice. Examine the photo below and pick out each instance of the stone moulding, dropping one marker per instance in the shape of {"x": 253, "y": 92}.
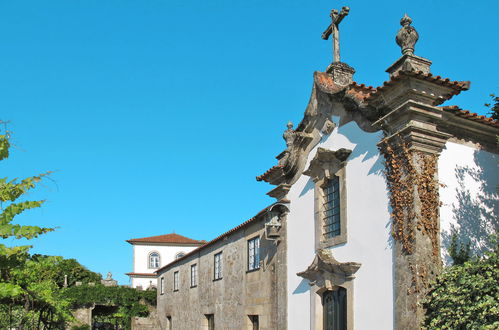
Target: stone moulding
{"x": 325, "y": 263}
{"x": 325, "y": 161}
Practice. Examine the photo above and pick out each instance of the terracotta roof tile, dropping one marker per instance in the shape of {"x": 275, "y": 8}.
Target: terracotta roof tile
{"x": 168, "y": 238}
{"x": 470, "y": 115}
{"x": 270, "y": 172}
{"x": 360, "y": 91}
{"x": 456, "y": 86}
{"x": 142, "y": 274}
{"x": 213, "y": 241}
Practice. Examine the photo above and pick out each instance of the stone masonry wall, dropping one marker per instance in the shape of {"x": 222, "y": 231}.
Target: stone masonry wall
{"x": 237, "y": 295}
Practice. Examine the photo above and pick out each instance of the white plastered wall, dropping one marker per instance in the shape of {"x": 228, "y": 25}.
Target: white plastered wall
{"x": 468, "y": 178}
{"x": 141, "y": 253}
{"x": 368, "y": 230}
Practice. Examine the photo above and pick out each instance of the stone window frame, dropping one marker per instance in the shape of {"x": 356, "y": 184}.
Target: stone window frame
{"x": 194, "y": 275}
{"x": 256, "y": 265}
{"x": 218, "y": 274}
{"x": 324, "y": 166}
{"x": 325, "y": 273}
{"x": 176, "y": 278}
{"x": 149, "y": 261}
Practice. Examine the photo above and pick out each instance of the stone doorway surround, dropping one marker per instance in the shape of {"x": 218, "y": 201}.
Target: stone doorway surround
{"x": 325, "y": 273}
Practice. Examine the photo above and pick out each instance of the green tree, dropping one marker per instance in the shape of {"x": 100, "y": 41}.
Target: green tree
{"x": 494, "y": 107}
{"x": 14, "y": 258}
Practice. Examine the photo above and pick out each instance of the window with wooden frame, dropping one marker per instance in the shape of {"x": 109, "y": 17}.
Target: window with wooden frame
{"x": 254, "y": 254}
{"x": 154, "y": 260}
{"x": 175, "y": 281}
{"x": 194, "y": 275}
{"x": 217, "y": 266}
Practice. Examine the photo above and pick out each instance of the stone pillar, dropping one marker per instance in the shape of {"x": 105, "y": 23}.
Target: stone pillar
{"x": 412, "y": 144}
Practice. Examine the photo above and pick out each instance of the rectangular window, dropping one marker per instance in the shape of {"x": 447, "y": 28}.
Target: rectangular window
{"x": 210, "y": 321}
{"x": 175, "y": 281}
{"x": 254, "y": 324}
{"x": 218, "y": 266}
{"x": 254, "y": 253}
{"x": 169, "y": 322}
{"x": 162, "y": 285}
{"x": 331, "y": 208}
{"x": 194, "y": 275}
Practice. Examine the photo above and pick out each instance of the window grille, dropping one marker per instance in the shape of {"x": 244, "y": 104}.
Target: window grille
{"x": 331, "y": 208}
{"x": 218, "y": 266}
{"x": 254, "y": 253}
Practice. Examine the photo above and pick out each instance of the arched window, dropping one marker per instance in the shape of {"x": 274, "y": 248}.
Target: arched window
{"x": 335, "y": 309}
{"x": 179, "y": 255}
{"x": 154, "y": 260}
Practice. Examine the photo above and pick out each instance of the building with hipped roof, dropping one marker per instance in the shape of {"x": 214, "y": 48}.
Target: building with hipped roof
{"x": 371, "y": 185}
{"x": 151, "y": 253}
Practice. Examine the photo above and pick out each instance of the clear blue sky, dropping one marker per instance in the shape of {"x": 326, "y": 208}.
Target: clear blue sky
{"x": 157, "y": 115}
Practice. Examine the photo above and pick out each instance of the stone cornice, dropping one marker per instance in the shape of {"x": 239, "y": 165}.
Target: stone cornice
{"x": 325, "y": 263}
{"x": 325, "y": 162}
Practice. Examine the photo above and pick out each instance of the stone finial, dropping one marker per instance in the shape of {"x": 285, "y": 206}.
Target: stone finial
{"x": 407, "y": 36}
{"x": 289, "y": 135}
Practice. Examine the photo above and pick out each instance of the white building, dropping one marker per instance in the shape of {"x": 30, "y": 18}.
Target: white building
{"x": 151, "y": 253}
{"x": 371, "y": 185}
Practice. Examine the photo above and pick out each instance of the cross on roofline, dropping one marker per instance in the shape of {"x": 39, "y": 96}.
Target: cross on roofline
{"x": 333, "y": 28}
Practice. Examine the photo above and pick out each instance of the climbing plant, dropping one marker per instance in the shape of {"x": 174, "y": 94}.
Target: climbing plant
{"x": 118, "y": 304}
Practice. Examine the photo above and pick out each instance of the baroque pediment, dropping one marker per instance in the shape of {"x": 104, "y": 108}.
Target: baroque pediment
{"x": 326, "y": 162}
{"x": 325, "y": 266}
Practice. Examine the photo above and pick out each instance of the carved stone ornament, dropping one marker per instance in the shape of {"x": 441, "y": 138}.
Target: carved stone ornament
{"x": 407, "y": 36}
{"x": 328, "y": 127}
{"x": 326, "y": 162}
{"x": 324, "y": 267}
{"x": 289, "y": 135}
{"x": 342, "y": 73}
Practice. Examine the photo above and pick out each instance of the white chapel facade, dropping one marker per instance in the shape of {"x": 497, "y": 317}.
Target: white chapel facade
{"x": 368, "y": 189}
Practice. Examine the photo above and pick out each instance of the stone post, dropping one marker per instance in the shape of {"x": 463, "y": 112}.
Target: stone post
{"x": 411, "y": 147}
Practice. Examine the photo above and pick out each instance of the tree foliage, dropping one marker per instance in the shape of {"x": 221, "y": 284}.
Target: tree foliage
{"x": 459, "y": 252}
{"x": 13, "y": 259}
{"x": 494, "y": 107}
{"x": 465, "y": 296}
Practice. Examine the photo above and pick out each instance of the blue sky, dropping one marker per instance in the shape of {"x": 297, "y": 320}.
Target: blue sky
{"x": 157, "y": 115}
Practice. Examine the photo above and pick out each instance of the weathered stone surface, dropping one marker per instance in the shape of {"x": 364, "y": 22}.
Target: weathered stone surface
{"x": 239, "y": 294}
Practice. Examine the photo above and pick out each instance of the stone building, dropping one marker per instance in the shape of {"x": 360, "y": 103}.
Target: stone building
{"x": 369, "y": 188}
{"x": 236, "y": 280}
{"x": 151, "y": 253}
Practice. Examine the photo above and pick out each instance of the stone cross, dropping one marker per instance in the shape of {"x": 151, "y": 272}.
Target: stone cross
{"x": 333, "y": 28}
